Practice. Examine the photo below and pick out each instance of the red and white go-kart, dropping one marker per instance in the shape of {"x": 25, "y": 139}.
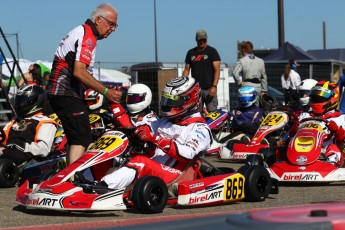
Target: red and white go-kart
{"x": 200, "y": 184}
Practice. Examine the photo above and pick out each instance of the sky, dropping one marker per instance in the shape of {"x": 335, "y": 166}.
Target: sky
{"x": 39, "y": 26}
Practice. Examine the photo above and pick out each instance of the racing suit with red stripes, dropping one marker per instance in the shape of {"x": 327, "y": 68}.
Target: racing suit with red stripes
{"x": 77, "y": 45}
{"x": 187, "y": 138}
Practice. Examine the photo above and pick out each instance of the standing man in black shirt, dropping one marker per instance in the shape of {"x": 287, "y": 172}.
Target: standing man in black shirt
{"x": 204, "y": 63}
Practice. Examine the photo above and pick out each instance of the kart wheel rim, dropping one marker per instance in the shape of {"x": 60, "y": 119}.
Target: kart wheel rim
{"x": 156, "y": 195}
{"x": 9, "y": 174}
{"x": 262, "y": 184}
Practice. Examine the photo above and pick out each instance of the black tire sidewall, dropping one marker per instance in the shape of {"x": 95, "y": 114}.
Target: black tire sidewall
{"x": 8, "y": 166}
{"x": 257, "y": 182}
{"x": 141, "y": 194}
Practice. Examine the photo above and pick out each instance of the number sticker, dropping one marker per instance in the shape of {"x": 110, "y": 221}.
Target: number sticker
{"x": 272, "y": 119}
{"x": 234, "y": 187}
{"x": 107, "y": 143}
{"x": 213, "y": 115}
{"x": 55, "y": 118}
{"x": 94, "y": 118}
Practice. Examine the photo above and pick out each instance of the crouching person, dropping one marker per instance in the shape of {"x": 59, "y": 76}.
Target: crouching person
{"x": 32, "y": 134}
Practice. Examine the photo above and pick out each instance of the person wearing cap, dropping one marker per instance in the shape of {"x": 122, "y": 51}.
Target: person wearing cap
{"x": 250, "y": 70}
{"x": 291, "y": 80}
{"x": 203, "y": 62}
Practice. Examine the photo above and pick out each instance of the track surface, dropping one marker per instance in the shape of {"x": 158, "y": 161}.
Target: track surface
{"x": 14, "y": 216}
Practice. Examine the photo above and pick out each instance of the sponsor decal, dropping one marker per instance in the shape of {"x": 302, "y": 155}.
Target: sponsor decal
{"x": 196, "y": 185}
{"x": 43, "y": 202}
{"x": 78, "y": 203}
{"x": 199, "y": 132}
{"x": 210, "y": 187}
{"x": 239, "y": 155}
{"x": 206, "y": 197}
{"x": 301, "y": 176}
{"x": 172, "y": 170}
{"x": 301, "y": 160}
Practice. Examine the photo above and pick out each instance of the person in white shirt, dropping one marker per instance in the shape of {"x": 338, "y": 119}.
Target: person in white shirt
{"x": 291, "y": 80}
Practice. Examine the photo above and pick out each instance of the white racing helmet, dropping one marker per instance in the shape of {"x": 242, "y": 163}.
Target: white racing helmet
{"x": 93, "y": 99}
{"x": 139, "y": 97}
{"x": 304, "y": 89}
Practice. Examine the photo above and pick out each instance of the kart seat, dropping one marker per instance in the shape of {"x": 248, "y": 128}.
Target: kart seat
{"x": 191, "y": 172}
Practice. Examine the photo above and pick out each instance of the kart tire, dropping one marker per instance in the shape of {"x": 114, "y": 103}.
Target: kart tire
{"x": 257, "y": 182}
{"x": 254, "y": 159}
{"x": 9, "y": 173}
{"x": 150, "y": 195}
{"x": 230, "y": 144}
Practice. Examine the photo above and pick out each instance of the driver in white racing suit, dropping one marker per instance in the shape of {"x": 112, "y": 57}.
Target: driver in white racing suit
{"x": 180, "y": 135}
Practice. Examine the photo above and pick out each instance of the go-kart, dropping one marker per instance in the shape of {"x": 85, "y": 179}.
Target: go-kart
{"x": 262, "y": 141}
{"x": 304, "y": 158}
{"x": 199, "y": 184}
{"x": 220, "y": 124}
{"x": 38, "y": 168}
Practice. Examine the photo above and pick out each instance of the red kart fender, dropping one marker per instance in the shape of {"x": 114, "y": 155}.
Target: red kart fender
{"x": 212, "y": 190}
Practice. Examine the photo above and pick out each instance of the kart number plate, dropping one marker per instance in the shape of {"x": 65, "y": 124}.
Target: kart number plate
{"x": 94, "y": 118}
{"x": 213, "y": 115}
{"x": 272, "y": 119}
{"x": 107, "y": 143}
{"x": 234, "y": 187}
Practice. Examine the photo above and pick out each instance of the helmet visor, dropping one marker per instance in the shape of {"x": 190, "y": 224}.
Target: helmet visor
{"x": 246, "y": 98}
{"x": 173, "y": 101}
{"x": 21, "y": 100}
{"x": 320, "y": 94}
{"x": 134, "y": 98}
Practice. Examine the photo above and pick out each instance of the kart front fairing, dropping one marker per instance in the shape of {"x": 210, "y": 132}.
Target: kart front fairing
{"x": 273, "y": 121}
{"x": 59, "y": 192}
{"x": 305, "y": 160}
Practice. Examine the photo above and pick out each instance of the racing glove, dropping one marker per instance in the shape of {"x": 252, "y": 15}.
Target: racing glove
{"x": 339, "y": 132}
{"x": 145, "y": 133}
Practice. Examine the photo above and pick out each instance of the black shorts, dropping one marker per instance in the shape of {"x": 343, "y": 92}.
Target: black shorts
{"x": 74, "y": 116}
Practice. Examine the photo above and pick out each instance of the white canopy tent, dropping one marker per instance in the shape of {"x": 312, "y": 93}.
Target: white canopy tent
{"x": 108, "y": 75}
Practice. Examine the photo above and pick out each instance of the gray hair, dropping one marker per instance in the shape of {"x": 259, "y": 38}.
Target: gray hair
{"x": 102, "y": 10}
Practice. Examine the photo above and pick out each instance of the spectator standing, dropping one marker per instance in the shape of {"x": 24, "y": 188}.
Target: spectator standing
{"x": 250, "y": 70}
{"x": 291, "y": 80}
{"x": 204, "y": 63}
{"x": 72, "y": 74}
{"x": 33, "y": 76}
